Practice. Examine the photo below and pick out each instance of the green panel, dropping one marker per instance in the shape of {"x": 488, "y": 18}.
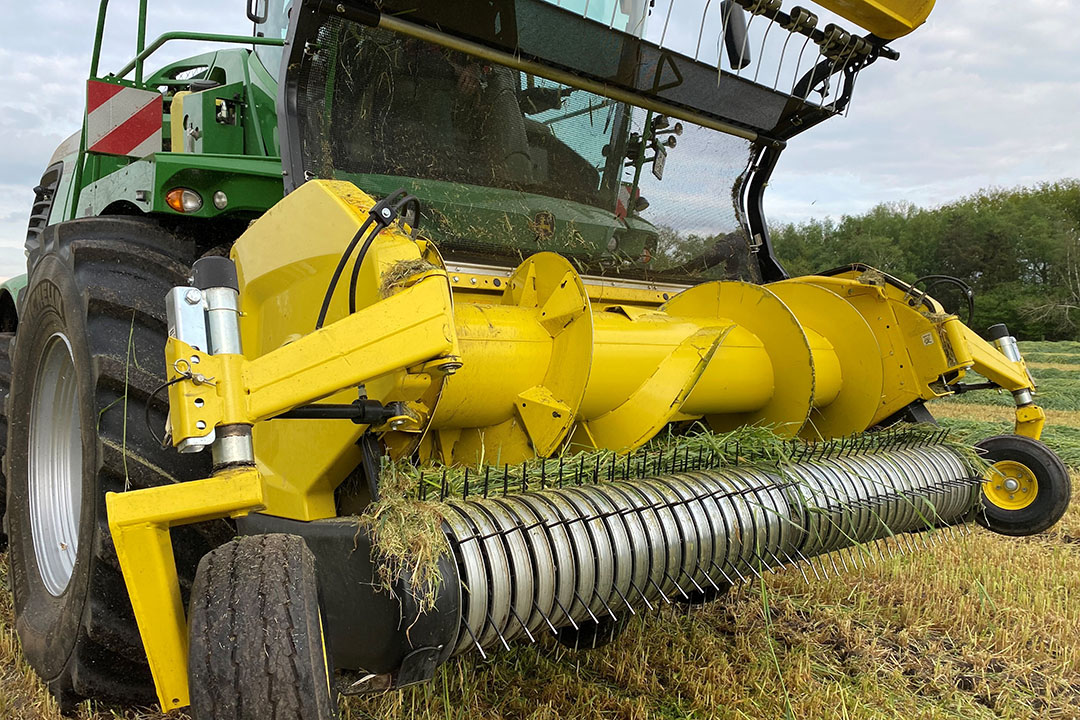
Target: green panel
{"x": 14, "y": 286}
{"x": 253, "y": 185}
{"x": 214, "y": 119}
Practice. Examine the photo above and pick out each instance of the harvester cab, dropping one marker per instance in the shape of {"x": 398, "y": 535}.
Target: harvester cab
{"x": 423, "y": 328}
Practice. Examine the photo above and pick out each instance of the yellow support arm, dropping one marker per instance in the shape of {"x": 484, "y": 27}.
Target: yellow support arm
{"x": 413, "y": 327}
{"x": 1012, "y": 376}
{"x": 140, "y": 522}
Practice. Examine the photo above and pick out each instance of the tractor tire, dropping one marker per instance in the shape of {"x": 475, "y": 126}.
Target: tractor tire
{"x": 257, "y": 649}
{"x": 87, "y": 358}
{"x": 1042, "y": 486}
{"x": 5, "y": 389}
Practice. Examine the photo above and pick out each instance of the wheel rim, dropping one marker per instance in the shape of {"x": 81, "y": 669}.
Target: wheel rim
{"x": 55, "y": 465}
{"x": 1010, "y": 485}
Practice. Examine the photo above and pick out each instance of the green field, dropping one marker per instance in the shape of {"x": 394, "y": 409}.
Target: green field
{"x": 977, "y": 626}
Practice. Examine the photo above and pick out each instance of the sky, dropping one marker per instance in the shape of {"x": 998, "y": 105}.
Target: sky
{"x": 986, "y": 94}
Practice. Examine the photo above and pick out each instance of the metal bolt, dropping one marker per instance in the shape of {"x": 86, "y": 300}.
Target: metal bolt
{"x": 193, "y": 296}
{"x": 472, "y": 280}
{"x": 1011, "y": 485}
{"x": 385, "y": 212}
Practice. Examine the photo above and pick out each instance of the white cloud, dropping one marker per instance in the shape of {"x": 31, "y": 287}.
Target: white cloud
{"x": 45, "y": 52}
{"x": 984, "y": 95}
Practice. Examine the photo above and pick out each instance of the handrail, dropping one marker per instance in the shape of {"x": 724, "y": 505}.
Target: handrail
{"x": 140, "y": 41}
{"x": 198, "y": 37}
{"x": 95, "y": 57}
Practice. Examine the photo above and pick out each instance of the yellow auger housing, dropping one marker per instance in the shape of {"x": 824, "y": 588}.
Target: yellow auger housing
{"x": 527, "y": 362}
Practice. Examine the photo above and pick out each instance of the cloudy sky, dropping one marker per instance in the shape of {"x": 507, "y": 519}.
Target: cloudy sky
{"x": 986, "y": 94}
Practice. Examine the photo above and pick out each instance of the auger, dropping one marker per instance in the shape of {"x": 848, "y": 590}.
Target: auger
{"x": 427, "y": 328}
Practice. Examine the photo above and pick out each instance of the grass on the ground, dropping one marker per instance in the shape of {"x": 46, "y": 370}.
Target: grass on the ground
{"x": 980, "y": 627}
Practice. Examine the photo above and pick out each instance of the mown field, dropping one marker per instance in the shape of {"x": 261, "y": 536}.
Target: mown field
{"x": 974, "y": 626}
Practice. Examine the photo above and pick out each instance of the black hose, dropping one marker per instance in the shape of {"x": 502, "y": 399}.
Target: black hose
{"x": 405, "y": 202}
{"x": 354, "y": 279}
{"x": 934, "y": 281}
{"x": 382, "y": 215}
{"x": 337, "y": 272}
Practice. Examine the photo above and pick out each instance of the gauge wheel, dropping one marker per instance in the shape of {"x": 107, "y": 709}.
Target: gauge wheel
{"x": 1026, "y": 489}
{"x": 257, "y": 647}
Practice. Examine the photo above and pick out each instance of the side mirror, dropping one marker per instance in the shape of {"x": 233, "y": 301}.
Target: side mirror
{"x": 255, "y": 14}
{"x": 736, "y": 38}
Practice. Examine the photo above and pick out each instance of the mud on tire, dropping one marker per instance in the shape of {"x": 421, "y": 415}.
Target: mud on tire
{"x": 256, "y": 641}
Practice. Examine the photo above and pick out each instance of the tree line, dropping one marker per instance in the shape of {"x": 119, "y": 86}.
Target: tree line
{"x": 1018, "y": 249}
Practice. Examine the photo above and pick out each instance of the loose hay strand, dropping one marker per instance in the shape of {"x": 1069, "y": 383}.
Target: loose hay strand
{"x": 406, "y": 523}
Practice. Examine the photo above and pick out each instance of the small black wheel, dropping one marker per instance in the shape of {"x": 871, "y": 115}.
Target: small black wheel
{"x": 1027, "y": 488}
{"x": 257, "y": 649}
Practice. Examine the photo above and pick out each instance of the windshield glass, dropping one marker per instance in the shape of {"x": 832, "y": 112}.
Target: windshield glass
{"x": 509, "y": 164}
{"x": 276, "y": 26}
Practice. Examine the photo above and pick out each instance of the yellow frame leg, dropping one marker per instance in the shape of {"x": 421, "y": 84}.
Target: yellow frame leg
{"x": 140, "y": 522}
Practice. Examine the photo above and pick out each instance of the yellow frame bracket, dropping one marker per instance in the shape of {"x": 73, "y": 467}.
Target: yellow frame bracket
{"x": 140, "y": 522}
{"x": 412, "y": 327}
{"x": 1010, "y": 375}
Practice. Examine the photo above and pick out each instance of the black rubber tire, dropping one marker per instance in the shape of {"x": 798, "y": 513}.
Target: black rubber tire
{"x": 102, "y": 282}
{"x": 5, "y": 389}
{"x": 257, "y": 649}
{"x": 1054, "y": 486}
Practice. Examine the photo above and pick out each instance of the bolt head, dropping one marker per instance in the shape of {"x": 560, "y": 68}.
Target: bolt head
{"x": 193, "y": 296}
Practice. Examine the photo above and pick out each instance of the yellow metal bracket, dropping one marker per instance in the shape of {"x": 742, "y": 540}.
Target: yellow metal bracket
{"x": 140, "y": 522}
{"x": 1010, "y": 375}
{"x": 411, "y": 327}
{"x": 1030, "y": 420}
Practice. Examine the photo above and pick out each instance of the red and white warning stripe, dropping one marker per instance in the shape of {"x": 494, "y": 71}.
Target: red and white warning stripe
{"x": 122, "y": 120}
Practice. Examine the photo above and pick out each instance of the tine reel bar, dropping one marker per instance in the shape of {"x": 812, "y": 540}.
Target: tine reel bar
{"x": 544, "y": 560}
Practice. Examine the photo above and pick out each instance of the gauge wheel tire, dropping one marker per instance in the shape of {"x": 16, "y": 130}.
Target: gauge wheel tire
{"x": 1048, "y": 475}
{"x": 5, "y": 389}
{"x": 88, "y": 355}
{"x": 256, "y": 640}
